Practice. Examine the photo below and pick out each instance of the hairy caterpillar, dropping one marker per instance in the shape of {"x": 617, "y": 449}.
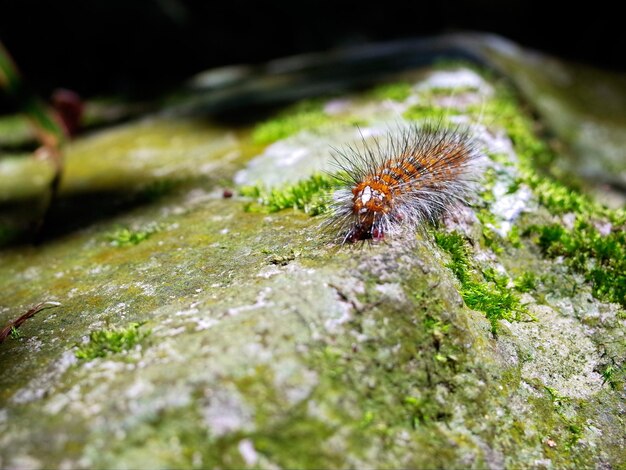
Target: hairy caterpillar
{"x": 418, "y": 173}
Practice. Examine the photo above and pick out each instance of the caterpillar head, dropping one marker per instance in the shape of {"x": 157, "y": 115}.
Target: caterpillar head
{"x": 371, "y": 198}
{"x": 371, "y": 202}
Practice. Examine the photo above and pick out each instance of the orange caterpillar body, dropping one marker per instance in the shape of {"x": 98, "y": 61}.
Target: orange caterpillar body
{"x": 412, "y": 178}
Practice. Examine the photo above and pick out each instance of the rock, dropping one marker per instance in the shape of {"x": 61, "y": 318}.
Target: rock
{"x": 202, "y": 331}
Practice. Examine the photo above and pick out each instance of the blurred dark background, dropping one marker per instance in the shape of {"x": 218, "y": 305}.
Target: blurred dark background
{"x": 143, "y": 47}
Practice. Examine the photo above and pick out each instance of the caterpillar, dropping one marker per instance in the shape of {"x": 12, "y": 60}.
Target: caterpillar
{"x": 415, "y": 175}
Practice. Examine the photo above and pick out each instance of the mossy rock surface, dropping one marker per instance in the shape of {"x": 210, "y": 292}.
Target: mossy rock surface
{"x": 197, "y": 330}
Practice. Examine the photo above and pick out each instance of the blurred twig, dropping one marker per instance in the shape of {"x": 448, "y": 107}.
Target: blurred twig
{"x": 15, "y": 324}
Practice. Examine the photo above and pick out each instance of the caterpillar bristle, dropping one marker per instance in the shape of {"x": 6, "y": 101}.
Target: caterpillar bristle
{"x": 411, "y": 178}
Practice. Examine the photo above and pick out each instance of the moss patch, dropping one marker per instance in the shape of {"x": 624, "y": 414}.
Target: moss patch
{"x": 128, "y": 237}
{"x": 613, "y": 376}
{"x": 104, "y": 342}
{"x": 15, "y": 333}
{"x": 527, "y": 282}
{"x": 572, "y": 423}
{"x": 486, "y": 291}
{"x": 600, "y": 258}
{"x": 536, "y": 158}
{"x": 304, "y": 115}
{"x": 430, "y": 112}
{"x": 310, "y": 196}
{"x": 398, "y": 91}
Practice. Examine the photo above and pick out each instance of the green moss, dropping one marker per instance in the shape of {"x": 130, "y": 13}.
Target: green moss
{"x": 368, "y": 418}
{"x": 310, "y": 196}
{"x": 104, "y": 342}
{"x": 527, "y": 282}
{"x": 600, "y": 258}
{"x": 514, "y": 237}
{"x": 439, "y": 91}
{"x": 609, "y": 376}
{"x": 307, "y": 114}
{"x": 454, "y": 244}
{"x": 298, "y": 444}
{"x": 490, "y": 238}
{"x": 423, "y": 410}
{"x": 506, "y": 111}
{"x": 560, "y": 199}
{"x": 495, "y": 301}
{"x": 15, "y": 333}
{"x": 429, "y": 112}
{"x": 536, "y": 158}
{"x": 500, "y": 158}
{"x": 399, "y": 91}
{"x": 572, "y": 422}
{"x": 557, "y": 399}
{"x": 488, "y": 291}
{"x": 127, "y": 237}
{"x": 435, "y": 325}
